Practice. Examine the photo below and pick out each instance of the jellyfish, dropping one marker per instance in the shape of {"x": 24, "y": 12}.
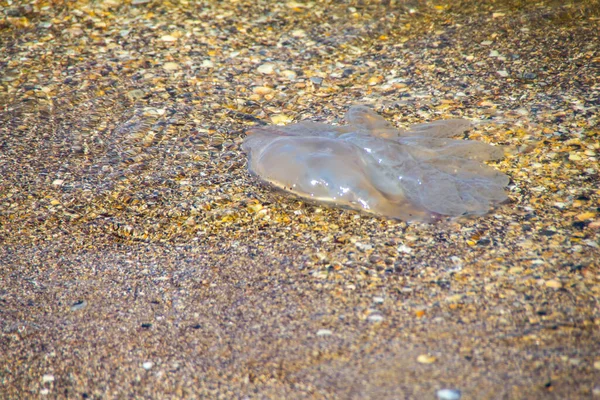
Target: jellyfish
{"x": 417, "y": 174}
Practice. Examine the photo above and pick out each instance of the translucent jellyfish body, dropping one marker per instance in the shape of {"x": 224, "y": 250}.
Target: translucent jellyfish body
{"x": 418, "y": 174}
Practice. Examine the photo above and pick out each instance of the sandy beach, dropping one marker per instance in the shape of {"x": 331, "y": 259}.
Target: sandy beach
{"x": 140, "y": 259}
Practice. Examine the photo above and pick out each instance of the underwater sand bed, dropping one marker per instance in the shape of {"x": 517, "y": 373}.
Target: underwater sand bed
{"x": 140, "y": 259}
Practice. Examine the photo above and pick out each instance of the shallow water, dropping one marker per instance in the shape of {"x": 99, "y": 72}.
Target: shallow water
{"x": 416, "y": 174}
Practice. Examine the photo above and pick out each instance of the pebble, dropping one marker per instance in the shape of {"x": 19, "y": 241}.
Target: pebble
{"x": 171, "y": 66}
{"x": 586, "y": 215}
{"x": 597, "y": 364}
{"x": 47, "y": 378}
{"x": 316, "y": 80}
{"x": 374, "y": 80}
{"x": 448, "y": 394}
{"x": 378, "y": 299}
{"x": 594, "y": 224}
{"x": 288, "y": 74}
{"x": 454, "y": 298}
{"x": 207, "y": 64}
{"x": 362, "y": 246}
{"x": 266, "y": 69}
{"x": 426, "y": 359}
{"x": 148, "y": 365}
{"x": 375, "y": 318}
{"x": 136, "y": 93}
{"x": 486, "y": 43}
{"x": 168, "y": 38}
{"x": 324, "y": 332}
{"x": 404, "y": 249}
{"x": 574, "y": 157}
{"x": 281, "y": 119}
{"x": 79, "y": 305}
{"x": 553, "y": 283}
{"x": 420, "y": 313}
{"x": 58, "y": 182}
{"x": 262, "y": 90}
{"x": 44, "y": 391}
{"x": 502, "y": 73}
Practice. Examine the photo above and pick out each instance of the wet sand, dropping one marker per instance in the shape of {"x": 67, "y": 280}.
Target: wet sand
{"x": 139, "y": 259}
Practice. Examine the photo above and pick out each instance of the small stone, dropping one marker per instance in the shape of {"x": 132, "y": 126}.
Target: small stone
{"x": 58, "y": 182}
{"x": 378, "y": 299}
{"x": 374, "y": 80}
{"x": 496, "y": 15}
{"x": 47, "y": 378}
{"x": 529, "y": 75}
{"x": 454, "y": 298}
{"x": 316, "y": 80}
{"x": 515, "y": 270}
{"x": 554, "y": 284}
{"x": 281, "y": 119}
{"x": 171, "y": 66}
{"x": 448, "y": 394}
{"x": 207, "y": 64}
{"x": 591, "y": 243}
{"x": 404, "y": 249}
{"x": 140, "y": 2}
{"x": 299, "y": 33}
{"x": 148, "y": 365}
{"x": 375, "y": 318}
{"x": 502, "y": 73}
{"x": 44, "y": 391}
{"x": 362, "y": 246}
{"x": 585, "y": 216}
{"x": 255, "y": 207}
{"x": 594, "y": 224}
{"x": 266, "y": 68}
{"x": 324, "y": 332}
{"x": 574, "y": 157}
{"x": 494, "y": 53}
{"x": 486, "y": 43}
{"x": 262, "y": 90}
{"x": 136, "y": 94}
{"x": 79, "y": 305}
{"x": 596, "y": 391}
{"x": 426, "y": 359}
{"x": 168, "y": 38}
{"x": 288, "y": 74}
{"x": 597, "y": 364}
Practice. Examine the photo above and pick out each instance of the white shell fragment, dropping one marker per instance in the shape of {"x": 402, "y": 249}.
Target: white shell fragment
{"x": 416, "y": 174}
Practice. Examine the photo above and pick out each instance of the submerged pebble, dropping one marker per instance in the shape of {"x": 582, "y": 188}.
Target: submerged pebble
{"x": 448, "y": 394}
{"x": 416, "y": 174}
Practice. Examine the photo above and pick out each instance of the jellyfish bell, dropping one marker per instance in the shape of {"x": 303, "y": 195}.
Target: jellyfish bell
{"x": 415, "y": 175}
